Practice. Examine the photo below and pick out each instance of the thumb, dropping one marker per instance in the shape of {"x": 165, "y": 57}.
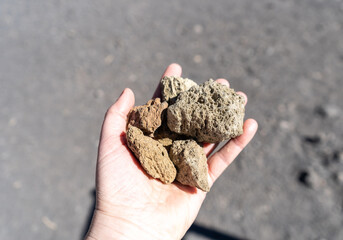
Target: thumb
{"x": 115, "y": 118}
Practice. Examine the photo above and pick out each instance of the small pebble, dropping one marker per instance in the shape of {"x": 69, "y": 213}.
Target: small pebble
{"x": 197, "y": 58}
{"x": 109, "y": 59}
{"x": 49, "y": 223}
{"x": 198, "y": 29}
{"x": 339, "y": 177}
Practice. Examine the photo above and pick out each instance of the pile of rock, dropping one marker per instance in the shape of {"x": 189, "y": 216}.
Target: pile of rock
{"x": 166, "y": 136}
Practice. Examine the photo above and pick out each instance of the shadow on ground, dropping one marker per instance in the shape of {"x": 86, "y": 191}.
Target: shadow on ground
{"x": 210, "y": 233}
{"x": 195, "y": 228}
{"x": 89, "y": 216}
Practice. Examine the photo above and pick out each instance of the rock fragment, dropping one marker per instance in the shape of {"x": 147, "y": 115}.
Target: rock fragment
{"x": 151, "y": 154}
{"x": 210, "y": 112}
{"x": 172, "y": 86}
{"x": 339, "y": 177}
{"x": 167, "y": 137}
{"x": 148, "y": 117}
{"x": 311, "y": 179}
{"x": 164, "y": 132}
{"x": 191, "y": 163}
{"x": 166, "y": 142}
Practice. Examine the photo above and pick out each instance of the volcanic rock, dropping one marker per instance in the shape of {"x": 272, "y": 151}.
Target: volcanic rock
{"x": 148, "y": 117}
{"x": 211, "y": 112}
{"x": 172, "y": 86}
{"x": 167, "y": 137}
{"x": 191, "y": 163}
{"x": 151, "y": 154}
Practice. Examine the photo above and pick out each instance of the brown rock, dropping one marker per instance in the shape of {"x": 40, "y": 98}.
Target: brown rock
{"x": 151, "y": 154}
{"x": 166, "y": 142}
{"x": 167, "y": 137}
{"x": 191, "y": 163}
{"x": 164, "y": 132}
{"x": 148, "y": 117}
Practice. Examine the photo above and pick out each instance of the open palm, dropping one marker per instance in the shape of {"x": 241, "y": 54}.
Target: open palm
{"x": 132, "y": 205}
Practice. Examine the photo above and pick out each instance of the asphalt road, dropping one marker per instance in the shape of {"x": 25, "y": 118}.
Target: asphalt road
{"x": 63, "y": 63}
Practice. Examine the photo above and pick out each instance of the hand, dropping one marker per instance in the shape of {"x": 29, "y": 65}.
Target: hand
{"x": 131, "y": 205}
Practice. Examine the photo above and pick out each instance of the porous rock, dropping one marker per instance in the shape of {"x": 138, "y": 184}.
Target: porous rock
{"x": 191, "y": 163}
{"x": 165, "y": 136}
{"x": 172, "y": 86}
{"x": 148, "y": 117}
{"x": 166, "y": 142}
{"x": 211, "y": 112}
{"x": 151, "y": 154}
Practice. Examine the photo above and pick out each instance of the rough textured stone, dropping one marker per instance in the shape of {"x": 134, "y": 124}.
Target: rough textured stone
{"x": 172, "y": 86}
{"x": 148, "y": 117}
{"x": 151, "y": 154}
{"x": 166, "y": 142}
{"x": 210, "y": 112}
{"x": 167, "y": 137}
{"x": 191, "y": 163}
{"x": 164, "y": 132}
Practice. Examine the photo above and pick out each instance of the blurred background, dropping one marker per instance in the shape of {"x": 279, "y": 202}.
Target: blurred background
{"x": 63, "y": 63}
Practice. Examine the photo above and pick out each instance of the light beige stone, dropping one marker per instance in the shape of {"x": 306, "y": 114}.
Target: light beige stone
{"x": 172, "y": 86}
{"x": 151, "y": 154}
{"x": 191, "y": 164}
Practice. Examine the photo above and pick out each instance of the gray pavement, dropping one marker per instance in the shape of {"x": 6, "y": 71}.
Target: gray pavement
{"x": 63, "y": 63}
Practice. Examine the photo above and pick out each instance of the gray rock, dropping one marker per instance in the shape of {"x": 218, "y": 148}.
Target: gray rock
{"x": 151, "y": 154}
{"x": 191, "y": 163}
{"x": 312, "y": 179}
{"x": 211, "y": 112}
{"x": 339, "y": 177}
{"x": 172, "y": 86}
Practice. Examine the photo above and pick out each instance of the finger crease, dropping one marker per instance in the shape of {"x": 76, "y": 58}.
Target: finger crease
{"x": 222, "y": 157}
{"x": 238, "y": 143}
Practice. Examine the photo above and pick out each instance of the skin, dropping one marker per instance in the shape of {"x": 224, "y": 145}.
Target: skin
{"x": 132, "y": 205}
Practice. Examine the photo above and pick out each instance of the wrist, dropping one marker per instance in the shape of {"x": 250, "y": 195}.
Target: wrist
{"x": 105, "y": 226}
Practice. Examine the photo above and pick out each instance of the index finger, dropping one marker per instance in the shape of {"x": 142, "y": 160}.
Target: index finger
{"x": 173, "y": 69}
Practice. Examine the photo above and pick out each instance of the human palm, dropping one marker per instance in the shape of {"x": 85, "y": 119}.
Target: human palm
{"x": 132, "y": 205}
